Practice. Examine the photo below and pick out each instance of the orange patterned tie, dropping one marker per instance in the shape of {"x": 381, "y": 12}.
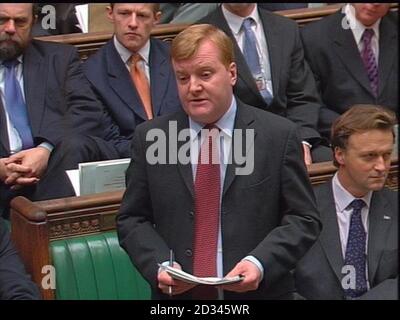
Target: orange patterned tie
{"x": 142, "y": 85}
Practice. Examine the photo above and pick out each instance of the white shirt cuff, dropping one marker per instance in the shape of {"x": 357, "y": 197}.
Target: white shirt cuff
{"x": 47, "y": 146}
{"x": 257, "y": 263}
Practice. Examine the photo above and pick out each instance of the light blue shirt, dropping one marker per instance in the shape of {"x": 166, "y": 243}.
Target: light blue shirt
{"x": 13, "y": 135}
{"x": 125, "y": 55}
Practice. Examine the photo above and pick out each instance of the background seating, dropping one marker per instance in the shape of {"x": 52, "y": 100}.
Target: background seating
{"x": 89, "y": 43}
{"x": 77, "y": 236}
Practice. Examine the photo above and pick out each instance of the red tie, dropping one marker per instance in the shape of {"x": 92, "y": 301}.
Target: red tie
{"x": 207, "y": 203}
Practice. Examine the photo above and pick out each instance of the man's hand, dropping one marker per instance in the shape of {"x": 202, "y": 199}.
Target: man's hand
{"x": 252, "y": 277}
{"x": 34, "y": 159}
{"x": 8, "y": 175}
{"x": 307, "y": 154}
{"x": 178, "y": 287}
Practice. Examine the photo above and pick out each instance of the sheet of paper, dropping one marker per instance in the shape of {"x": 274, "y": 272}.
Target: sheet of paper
{"x": 189, "y": 278}
{"x": 82, "y": 14}
{"x": 73, "y": 176}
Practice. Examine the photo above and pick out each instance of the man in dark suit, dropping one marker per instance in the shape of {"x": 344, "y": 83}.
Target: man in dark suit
{"x": 110, "y": 73}
{"x": 261, "y": 204}
{"x": 15, "y": 283}
{"x": 284, "y": 72}
{"x": 356, "y": 255}
{"x": 48, "y": 112}
{"x": 334, "y": 47}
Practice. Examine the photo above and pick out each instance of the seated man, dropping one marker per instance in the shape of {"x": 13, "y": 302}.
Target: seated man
{"x": 132, "y": 74}
{"x": 356, "y": 255}
{"x": 272, "y": 72}
{"x": 14, "y": 281}
{"x": 354, "y": 57}
{"x": 48, "y": 113}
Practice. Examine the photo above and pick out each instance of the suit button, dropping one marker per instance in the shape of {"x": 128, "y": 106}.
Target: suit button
{"x": 188, "y": 252}
{"x": 191, "y": 214}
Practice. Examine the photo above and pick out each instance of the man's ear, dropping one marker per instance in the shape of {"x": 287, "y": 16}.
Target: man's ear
{"x": 157, "y": 17}
{"x": 110, "y": 16}
{"x": 339, "y": 155}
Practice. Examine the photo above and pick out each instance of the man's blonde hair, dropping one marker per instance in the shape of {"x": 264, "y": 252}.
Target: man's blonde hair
{"x": 360, "y": 118}
{"x": 186, "y": 44}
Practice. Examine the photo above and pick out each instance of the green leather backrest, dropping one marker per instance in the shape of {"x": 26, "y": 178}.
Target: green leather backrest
{"x": 95, "y": 267}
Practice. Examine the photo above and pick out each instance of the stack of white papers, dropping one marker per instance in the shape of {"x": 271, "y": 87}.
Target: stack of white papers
{"x": 189, "y": 278}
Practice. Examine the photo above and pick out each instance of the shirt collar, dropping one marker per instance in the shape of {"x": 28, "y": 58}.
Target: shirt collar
{"x": 19, "y": 58}
{"x": 125, "y": 54}
{"x": 225, "y": 124}
{"x": 343, "y": 198}
{"x": 359, "y": 28}
{"x": 235, "y": 22}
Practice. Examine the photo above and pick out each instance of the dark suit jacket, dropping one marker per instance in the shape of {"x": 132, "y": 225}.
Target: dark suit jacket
{"x": 295, "y": 94}
{"x": 58, "y": 97}
{"x": 269, "y": 213}
{"x": 60, "y": 103}
{"x": 318, "y": 274}
{"x": 341, "y": 78}
{"x": 15, "y": 283}
{"x": 112, "y": 83}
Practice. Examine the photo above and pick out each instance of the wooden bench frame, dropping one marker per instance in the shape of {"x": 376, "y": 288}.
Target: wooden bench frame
{"x": 36, "y": 224}
{"x": 89, "y": 43}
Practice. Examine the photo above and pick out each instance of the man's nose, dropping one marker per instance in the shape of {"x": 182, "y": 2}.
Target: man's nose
{"x": 133, "y": 21}
{"x": 10, "y": 26}
{"x": 194, "y": 85}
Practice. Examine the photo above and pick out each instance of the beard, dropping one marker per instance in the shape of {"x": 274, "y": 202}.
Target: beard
{"x": 10, "y": 48}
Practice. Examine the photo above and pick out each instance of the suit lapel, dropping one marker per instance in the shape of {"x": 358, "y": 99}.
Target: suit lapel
{"x": 185, "y": 169}
{"x": 4, "y": 143}
{"x": 121, "y": 82}
{"x": 243, "y": 122}
{"x": 347, "y": 51}
{"x": 379, "y": 223}
{"x": 387, "y": 56}
{"x": 330, "y": 238}
{"x": 35, "y": 86}
{"x": 159, "y": 77}
{"x": 274, "y": 49}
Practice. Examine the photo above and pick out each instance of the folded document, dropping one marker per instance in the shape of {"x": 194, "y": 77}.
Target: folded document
{"x": 188, "y": 278}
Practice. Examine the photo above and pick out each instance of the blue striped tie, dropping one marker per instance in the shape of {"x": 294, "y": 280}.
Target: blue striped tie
{"x": 15, "y": 104}
{"x": 253, "y": 60}
{"x": 355, "y": 250}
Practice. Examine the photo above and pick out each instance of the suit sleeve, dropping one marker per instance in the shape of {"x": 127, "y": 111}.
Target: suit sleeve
{"x": 300, "y": 226}
{"x": 136, "y": 232}
{"x": 84, "y": 112}
{"x": 15, "y": 283}
{"x": 386, "y": 290}
{"x": 326, "y": 115}
{"x": 303, "y": 99}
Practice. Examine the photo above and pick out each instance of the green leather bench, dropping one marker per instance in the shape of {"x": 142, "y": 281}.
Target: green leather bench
{"x": 95, "y": 267}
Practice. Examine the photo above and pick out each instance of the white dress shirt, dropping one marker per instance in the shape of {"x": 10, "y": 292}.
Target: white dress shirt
{"x": 125, "y": 55}
{"x": 343, "y": 198}
{"x": 235, "y": 24}
{"x": 358, "y": 29}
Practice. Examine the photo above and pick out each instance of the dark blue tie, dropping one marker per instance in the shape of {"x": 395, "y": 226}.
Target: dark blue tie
{"x": 253, "y": 60}
{"x": 15, "y": 104}
{"x": 355, "y": 250}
